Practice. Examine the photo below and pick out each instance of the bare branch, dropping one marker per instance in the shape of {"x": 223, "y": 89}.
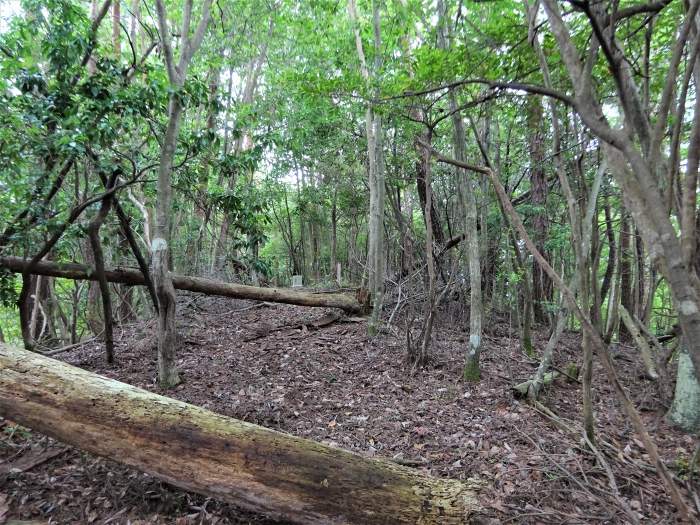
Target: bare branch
{"x": 186, "y": 21}
{"x": 633, "y": 10}
{"x": 352, "y": 11}
{"x": 671, "y": 77}
{"x": 96, "y": 21}
{"x": 196, "y": 41}
{"x": 165, "y": 41}
{"x": 494, "y": 84}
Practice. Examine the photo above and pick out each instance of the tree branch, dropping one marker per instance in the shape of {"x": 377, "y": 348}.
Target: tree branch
{"x": 165, "y": 41}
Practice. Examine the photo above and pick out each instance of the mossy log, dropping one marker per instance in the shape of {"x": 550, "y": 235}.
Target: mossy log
{"x": 276, "y": 474}
{"x": 521, "y": 389}
{"x": 133, "y": 277}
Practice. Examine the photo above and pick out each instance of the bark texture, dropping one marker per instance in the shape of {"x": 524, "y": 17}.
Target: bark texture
{"x": 541, "y": 283}
{"x": 685, "y": 411}
{"x": 282, "y": 476}
{"x": 376, "y": 169}
{"x": 132, "y": 276}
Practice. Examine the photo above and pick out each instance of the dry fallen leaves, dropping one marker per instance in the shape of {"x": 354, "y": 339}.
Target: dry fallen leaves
{"x": 4, "y": 508}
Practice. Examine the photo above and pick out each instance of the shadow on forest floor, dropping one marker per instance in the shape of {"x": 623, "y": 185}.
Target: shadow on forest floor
{"x": 334, "y": 385}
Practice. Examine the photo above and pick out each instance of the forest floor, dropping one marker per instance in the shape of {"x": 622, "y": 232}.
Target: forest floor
{"x": 270, "y": 365}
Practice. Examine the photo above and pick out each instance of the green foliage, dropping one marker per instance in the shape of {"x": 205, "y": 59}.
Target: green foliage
{"x": 246, "y": 208}
{"x": 8, "y": 288}
{"x": 286, "y": 167}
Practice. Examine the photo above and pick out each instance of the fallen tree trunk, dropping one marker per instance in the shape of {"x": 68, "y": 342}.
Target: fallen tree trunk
{"x": 521, "y": 390}
{"x": 262, "y": 470}
{"x": 132, "y": 276}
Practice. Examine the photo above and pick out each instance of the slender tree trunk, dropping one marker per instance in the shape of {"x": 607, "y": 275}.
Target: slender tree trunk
{"x": 639, "y": 294}
{"x": 467, "y": 198}
{"x": 376, "y": 220}
{"x": 419, "y": 356}
{"x": 334, "y": 234}
{"x": 116, "y": 28}
{"x": 581, "y": 246}
{"x": 642, "y": 345}
{"x": 626, "y": 299}
{"x": 93, "y": 317}
{"x": 541, "y": 284}
{"x": 375, "y": 154}
{"x": 472, "y": 367}
{"x": 135, "y": 28}
{"x": 160, "y": 248}
{"x": 524, "y": 297}
{"x": 93, "y": 231}
{"x": 612, "y": 251}
{"x": 422, "y": 190}
{"x": 91, "y": 65}
{"x": 613, "y": 318}
{"x": 24, "y": 305}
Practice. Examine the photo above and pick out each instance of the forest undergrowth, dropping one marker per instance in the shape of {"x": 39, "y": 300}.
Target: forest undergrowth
{"x": 273, "y": 365}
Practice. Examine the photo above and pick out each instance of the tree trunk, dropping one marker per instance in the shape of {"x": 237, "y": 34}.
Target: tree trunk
{"x": 282, "y": 476}
{"x": 116, "y": 28}
{"x": 92, "y": 312}
{"x": 467, "y": 201}
{"x": 612, "y": 252}
{"x": 639, "y": 340}
{"x": 160, "y": 246}
{"x": 375, "y": 156}
{"x": 167, "y": 329}
{"x": 375, "y": 258}
{"x": 93, "y": 231}
{"x": 135, "y": 28}
{"x": 419, "y": 356}
{"x": 132, "y": 276}
{"x": 334, "y": 235}
{"x": 165, "y": 291}
{"x": 467, "y": 187}
{"x": 685, "y": 411}
{"x": 541, "y": 283}
{"x": 625, "y": 269}
{"x": 435, "y": 228}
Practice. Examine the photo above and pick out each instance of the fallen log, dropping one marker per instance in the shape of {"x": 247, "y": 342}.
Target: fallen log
{"x": 132, "y": 276}
{"x": 276, "y": 474}
{"x": 521, "y": 389}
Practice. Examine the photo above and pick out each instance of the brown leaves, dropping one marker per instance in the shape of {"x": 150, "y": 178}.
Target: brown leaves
{"x": 4, "y": 508}
{"x": 30, "y": 459}
{"x": 334, "y": 385}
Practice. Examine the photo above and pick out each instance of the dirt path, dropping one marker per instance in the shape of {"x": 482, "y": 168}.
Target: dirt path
{"x": 272, "y": 366}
